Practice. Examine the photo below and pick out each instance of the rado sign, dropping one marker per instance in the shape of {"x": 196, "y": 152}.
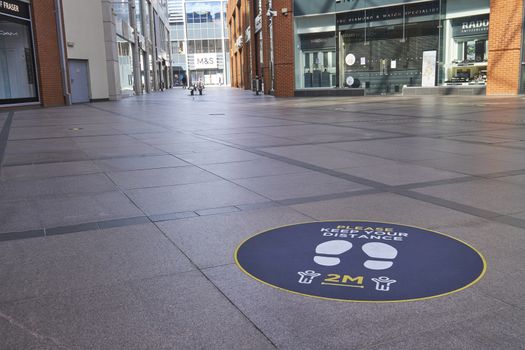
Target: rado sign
{"x": 14, "y": 8}
{"x": 470, "y": 26}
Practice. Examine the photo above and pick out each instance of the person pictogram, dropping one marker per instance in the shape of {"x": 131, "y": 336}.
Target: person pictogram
{"x": 307, "y": 276}
{"x": 383, "y": 283}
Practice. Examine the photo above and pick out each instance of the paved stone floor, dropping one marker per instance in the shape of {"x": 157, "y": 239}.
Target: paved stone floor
{"x": 119, "y": 220}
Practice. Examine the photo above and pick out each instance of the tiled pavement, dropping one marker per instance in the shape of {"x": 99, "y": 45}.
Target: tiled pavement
{"x": 118, "y": 220}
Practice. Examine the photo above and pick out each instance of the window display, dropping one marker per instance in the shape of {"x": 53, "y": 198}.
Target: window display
{"x": 318, "y": 60}
{"x": 17, "y": 69}
{"x": 384, "y": 59}
{"x": 467, "y": 57}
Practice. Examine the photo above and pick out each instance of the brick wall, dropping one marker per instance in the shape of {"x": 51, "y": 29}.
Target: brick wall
{"x": 504, "y": 47}
{"x": 47, "y": 53}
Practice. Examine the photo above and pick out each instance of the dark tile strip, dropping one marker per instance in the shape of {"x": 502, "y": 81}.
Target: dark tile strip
{"x": 13, "y": 236}
{"x": 454, "y": 180}
{"x": 467, "y": 209}
{"x": 173, "y": 216}
{"x": 71, "y": 229}
{"x": 509, "y": 220}
{"x": 334, "y": 173}
{"x": 255, "y": 206}
{"x": 4, "y": 135}
{"x": 503, "y": 174}
{"x": 123, "y": 222}
{"x": 215, "y": 211}
{"x": 303, "y": 200}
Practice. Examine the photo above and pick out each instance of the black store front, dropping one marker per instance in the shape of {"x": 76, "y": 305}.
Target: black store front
{"x": 383, "y": 49}
{"x": 18, "y": 82}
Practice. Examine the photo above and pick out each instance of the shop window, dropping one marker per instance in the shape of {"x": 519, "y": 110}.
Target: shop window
{"x": 318, "y": 60}
{"x": 17, "y": 70}
{"x": 466, "y": 51}
{"x": 125, "y": 61}
{"x": 384, "y": 59}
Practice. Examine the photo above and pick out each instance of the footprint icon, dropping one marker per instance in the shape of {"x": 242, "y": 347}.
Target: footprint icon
{"x": 379, "y": 251}
{"x": 335, "y": 247}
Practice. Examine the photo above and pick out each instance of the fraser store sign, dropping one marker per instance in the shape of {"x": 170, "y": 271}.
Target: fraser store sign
{"x": 14, "y": 8}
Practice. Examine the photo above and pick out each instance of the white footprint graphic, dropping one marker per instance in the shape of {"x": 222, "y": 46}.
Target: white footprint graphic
{"x": 335, "y": 247}
{"x": 379, "y": 251}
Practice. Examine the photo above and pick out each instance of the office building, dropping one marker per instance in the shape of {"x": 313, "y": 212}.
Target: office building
{"x": 199, "y": 41}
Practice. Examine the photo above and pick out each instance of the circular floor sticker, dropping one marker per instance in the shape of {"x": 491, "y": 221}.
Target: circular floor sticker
{"x": 360, "y": 261}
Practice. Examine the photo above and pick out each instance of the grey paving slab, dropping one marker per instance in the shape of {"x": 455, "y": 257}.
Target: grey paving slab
{"x": 139, "y": 163}
{"x": 35, "y": 171}
{"x": 397, "y": 173}
{"x": 216, "y": 157}
{"x": 323, "y": 156}
{"x": 181, "y": 198}
{"x": 17, "y": 336}
{"x": 55, "y": 186}
{"x": 252, "y": 168}
{"x": 305, "y": 184}
{"x": 161, "y": 177}
{"x": 255, "y": 140}
{"x": 479, "y": 138}
{"x": 500, "y": 329}
{"x": 501, "y": 245}
{"x": 123, "y": 151}
{"x": 166, "y": 138}
{"x": 39, "y": 146}
{"x": 19, "y": 216}
{"x": 87, "y": 208}
{"x": 59, "y": 131}
{"x": 193, "y": 147}
{"x": 387, "y": 207}
{"x": 491, "y": 195}
{"x": 54, "y": 264}
{"x": 299, "y": 322}
{"x": 44, "y": 157}
{"x": 211, "y": 240}
{"x": 389, "y": 149}
{"x": 181, "y": 311}
{"x": 471, "y": 165}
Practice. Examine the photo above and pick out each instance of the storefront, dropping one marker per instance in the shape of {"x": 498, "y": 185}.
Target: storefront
{"x": 18, "y": 79}
{"x": 382, "y": 46}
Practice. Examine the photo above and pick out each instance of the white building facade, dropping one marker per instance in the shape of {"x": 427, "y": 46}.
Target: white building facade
{"x": 117, "y": 48}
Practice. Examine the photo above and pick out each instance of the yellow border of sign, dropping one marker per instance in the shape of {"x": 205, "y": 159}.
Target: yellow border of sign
{"x": 363, "y": 301}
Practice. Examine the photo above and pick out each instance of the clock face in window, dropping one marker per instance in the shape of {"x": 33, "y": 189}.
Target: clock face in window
{"x": 350, "y": 59}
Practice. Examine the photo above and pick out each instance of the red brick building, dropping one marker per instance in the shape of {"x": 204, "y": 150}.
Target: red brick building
{"x": 329, "y": 47}
{"x": 30, "y": 55}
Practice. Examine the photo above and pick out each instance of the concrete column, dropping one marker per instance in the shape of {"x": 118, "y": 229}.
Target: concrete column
{"x": 145, "y": 32}
{"x": 137, "y": 84}
{"x": 110, "y": 39}
{"x": 153, "y": 49}
{"x": 170, "y": 69}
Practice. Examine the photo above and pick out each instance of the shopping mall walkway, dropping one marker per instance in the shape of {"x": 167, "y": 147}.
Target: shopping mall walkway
{"x": 119, "y": 221}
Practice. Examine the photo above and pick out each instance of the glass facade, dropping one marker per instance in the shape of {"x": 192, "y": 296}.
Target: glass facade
{"x": 383, "y": 47}
{"x": 125, "y": 61}
{"x": 199, "y": 43}
{"x": 17, "y": 62}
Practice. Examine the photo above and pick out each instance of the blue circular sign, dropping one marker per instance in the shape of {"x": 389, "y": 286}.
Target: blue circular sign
{"x": 361, "y": 261}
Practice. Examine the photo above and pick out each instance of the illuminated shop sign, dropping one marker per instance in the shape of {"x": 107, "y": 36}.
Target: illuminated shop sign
{"x": 14, "y": 8}
{"x": 469, "y": 26}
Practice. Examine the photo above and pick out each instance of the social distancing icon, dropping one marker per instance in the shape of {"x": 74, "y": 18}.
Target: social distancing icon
{"x": 361, "y": 261}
